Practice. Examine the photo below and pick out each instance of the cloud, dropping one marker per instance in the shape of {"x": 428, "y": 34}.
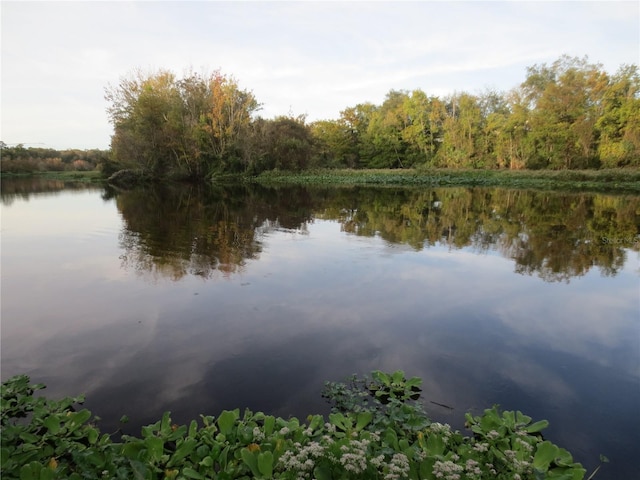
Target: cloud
{"x": 308, "y": 57}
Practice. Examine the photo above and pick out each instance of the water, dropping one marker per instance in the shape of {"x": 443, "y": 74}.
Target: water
{"x": 195, "y": 301}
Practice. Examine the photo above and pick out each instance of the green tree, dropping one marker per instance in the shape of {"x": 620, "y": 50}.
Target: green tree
{"x": 423, "y": 131}
{"x": 194, "y": 126}
{"x": 566, "y": 103}
{"x": 619, "y": 124}
{"x": 461, "y": 132}
{"x": 384, "y": 133}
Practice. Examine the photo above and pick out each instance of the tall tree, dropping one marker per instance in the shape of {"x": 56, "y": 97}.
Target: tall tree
{"x": 619, "y": 124}
{"x": 566, "y": 101}
{"x": 192, "y": 126}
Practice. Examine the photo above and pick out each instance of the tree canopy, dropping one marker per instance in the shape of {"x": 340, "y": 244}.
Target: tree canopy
{"x": 567, "y": 115}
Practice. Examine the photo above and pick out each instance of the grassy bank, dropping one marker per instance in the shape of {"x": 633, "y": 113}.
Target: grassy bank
{"x": 618, "y": 180}
{"x": 89, "y": 176}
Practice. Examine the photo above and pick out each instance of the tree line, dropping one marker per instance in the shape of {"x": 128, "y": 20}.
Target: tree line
{"x": 570, "y": 114}
{"x": 567, "y": 115}
{"x": 18, "y": 159}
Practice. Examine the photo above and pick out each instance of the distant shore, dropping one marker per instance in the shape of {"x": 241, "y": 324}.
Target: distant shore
{"x": 607, "y": 180}
{"x": 610, "y": 180}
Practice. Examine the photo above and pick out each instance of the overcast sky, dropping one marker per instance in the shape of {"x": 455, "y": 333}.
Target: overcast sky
{"x": 313, "y": 58}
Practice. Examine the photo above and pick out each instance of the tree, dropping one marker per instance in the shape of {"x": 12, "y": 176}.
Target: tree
{"x": 192, "y": 126}
{"x": 461, "y": 131}
{"x": 619, "y": 124}
{"x": 566, "y": 100}
{"x": 384, "y": 132}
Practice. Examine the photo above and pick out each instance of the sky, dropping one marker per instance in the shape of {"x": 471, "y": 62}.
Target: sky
{"x": 299, "y": 58}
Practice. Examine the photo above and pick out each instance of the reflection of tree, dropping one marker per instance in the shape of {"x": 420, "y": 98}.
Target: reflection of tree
{"x": 557, "y": 236}
{"x": 175, "y": 232}
{"x": 24, "y": 188}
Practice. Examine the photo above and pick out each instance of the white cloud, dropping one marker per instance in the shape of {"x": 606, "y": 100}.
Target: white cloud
{"x": 308, "y": 57}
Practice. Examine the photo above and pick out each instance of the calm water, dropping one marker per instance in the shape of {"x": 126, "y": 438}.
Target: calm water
{"x": 195, "y": 301}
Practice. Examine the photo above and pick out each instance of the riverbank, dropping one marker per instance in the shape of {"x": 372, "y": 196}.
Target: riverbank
{"x": 82, "y": 176}
{"x": 612, "y": 180}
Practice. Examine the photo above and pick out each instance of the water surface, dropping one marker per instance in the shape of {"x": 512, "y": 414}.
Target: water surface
{"x": 195, "y": 301}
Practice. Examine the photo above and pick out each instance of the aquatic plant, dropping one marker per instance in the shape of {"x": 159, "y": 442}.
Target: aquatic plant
{"x": 377, "y": 430}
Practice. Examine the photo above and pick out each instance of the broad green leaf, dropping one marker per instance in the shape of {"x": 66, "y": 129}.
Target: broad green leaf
{"x": 165, "y": 424}
{"x": 92, "y": 435}
{"x": 322, "y": 472}
{"x": 363, "y": 419}
{"x": 52, "y": 423}
{"x": 265, "y": 464}
{"x": 77, "y": 419}
{"x": 193, "y": 428}
{"x": 545, "y": 454}
{"x": 269, "y": 424}
{"x": 227, "y": 420}
{"x": 30, "y": 471}
{"x": 251, "y": 461}
{"x": 155, "y": 447}
{"x": 435, "y": 445}
{"x": 191, "y": 473}
{"x": 537, "y": 426}
{"x": 183, "y": 450}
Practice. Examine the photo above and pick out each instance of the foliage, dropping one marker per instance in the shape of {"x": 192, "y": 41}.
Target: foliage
{"x": 18, "y": 159}
{"x": 567, "y": 115}
{"x": 377, "y": 431}
{"x": 605, "y": 180}
{"x": 192, "y": 127}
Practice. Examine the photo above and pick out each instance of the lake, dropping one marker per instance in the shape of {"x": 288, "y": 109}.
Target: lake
{"x": 197, "y": 300}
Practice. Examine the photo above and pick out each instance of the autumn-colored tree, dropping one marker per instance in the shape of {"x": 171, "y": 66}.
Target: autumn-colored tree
{"x": 191, "y": 127}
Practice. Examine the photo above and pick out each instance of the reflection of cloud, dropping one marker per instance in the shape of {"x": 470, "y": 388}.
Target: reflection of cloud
{"x": 591, "y": 318}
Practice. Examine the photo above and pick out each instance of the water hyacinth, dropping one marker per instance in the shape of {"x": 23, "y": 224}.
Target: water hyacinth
{"x": 388, "y": 440}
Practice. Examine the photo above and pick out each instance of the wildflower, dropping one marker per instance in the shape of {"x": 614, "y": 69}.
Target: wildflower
{"x": 284, "y": 430}
{"x": 258, "y": 435}
{"x": 481, "y": 447}
{"x": 398, "y": 467}
{"x": 447, "y": 470}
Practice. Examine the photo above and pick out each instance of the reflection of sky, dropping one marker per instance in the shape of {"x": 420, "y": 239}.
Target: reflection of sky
{"x": 315, "y": 307}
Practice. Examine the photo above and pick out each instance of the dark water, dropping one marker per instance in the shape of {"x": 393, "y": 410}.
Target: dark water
{"x": 196, "y": 301}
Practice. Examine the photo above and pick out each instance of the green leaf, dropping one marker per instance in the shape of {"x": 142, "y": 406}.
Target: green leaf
{"x": 435, "y": 445}
{"x": 165, "y": 424}
{"x": 322, "y": 472}
{"x": 193, "y": 428}
{"x": 265, "y": 464}
{"x": 77, "y": 419}
{"x": 340, "y": 421}
{"x": 191, "y": 473}
{"x": 545, "y": 454}
{"x": 363, "y": 419}
{"x": 227, "y": 420}
{"x": 92, "y": 435}
{"x": 31, "y": 471}
{"x": 537, "y": 426}
{"x": 269, "y": 424}
{"x": 184, "y": 449}
{"x": 251, "y": 460}
{"x": 52, "y": 423}
{"x": 155, "y": 447}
